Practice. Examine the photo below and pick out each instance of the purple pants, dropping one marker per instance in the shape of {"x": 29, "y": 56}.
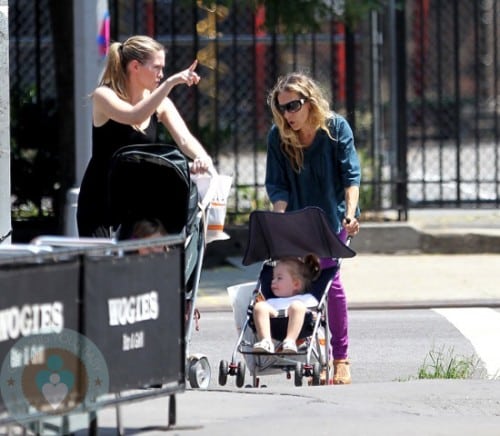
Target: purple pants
{"x": 337, "y": 310}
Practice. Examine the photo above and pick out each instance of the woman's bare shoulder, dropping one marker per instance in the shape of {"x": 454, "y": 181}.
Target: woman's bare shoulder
{"x": 103, "y": 92}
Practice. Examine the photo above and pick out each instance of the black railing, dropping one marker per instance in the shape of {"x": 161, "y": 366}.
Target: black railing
{"x": 428, "y": 128}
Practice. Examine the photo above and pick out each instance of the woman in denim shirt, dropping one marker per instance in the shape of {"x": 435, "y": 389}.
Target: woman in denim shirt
{"x": 312, "y": 161}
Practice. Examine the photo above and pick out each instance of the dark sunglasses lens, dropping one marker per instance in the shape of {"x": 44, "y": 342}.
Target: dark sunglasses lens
{"x": 292, "y": 106}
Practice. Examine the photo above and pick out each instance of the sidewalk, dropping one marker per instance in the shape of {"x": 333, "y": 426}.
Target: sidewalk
{"x": 439, "y": 257}
{"x": 413, "y": 408}
{"x": 371, "y": 281}
{"x": 404, "y": 274}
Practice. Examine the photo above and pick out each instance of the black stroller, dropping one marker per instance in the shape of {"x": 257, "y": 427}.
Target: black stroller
{"x": 153, "y": 181}
{"x": 273, "y": 236}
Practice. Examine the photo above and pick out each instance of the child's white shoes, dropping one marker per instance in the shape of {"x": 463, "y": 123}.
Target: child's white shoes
{"x": 288, "y": 346}
{"x": 264, "y": 346}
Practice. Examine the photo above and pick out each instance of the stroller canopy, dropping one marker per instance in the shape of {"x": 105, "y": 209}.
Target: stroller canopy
{"x": 152, "y": 181}
{"x": 273, "y": 235}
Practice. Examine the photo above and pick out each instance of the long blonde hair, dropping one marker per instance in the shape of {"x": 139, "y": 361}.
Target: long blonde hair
{"x": 140, "y": 48}
{"x": 319, "y": 113}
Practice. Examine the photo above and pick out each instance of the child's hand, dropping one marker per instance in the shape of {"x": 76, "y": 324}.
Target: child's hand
{"x": 273, "y": 313}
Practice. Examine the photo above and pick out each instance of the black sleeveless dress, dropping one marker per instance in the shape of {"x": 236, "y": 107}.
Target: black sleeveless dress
{"x": 93, "y": 216}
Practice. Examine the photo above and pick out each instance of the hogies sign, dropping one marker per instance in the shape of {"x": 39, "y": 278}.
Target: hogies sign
{"x": 37, "y": 300}
{"x": 31, "y": 319}
{"x": 136, "y": 316}
{"x": 130, "y": 310}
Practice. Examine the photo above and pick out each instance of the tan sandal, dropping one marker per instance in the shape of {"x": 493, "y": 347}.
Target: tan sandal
{"x": 341, "y": 371}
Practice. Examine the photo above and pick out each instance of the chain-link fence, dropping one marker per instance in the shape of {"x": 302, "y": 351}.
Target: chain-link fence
{"x": 419, "y": 85}
{"x": 453, "y": 102}
{"x": 239, "y": 63}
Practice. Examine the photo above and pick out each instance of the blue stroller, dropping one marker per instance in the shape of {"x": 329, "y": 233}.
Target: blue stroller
{"x": 273, "y": 236}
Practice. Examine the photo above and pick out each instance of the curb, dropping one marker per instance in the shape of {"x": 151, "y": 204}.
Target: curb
{"x": 396, "y": 237}
{"x": 383, "y": 238}
{"x": 469, "y": 242}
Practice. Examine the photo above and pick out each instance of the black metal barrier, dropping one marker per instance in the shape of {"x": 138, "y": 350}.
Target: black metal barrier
{"x": 129, "y": 302}
{"x": 36, "y": 299}
{"x": 85, "y": 328}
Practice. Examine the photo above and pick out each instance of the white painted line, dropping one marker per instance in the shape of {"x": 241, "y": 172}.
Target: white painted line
{"x": 481, "y": 326}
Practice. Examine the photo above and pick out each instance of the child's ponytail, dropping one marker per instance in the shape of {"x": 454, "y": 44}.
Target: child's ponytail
{"x": 311, "y": 269}
{"x": 313, "y": 265}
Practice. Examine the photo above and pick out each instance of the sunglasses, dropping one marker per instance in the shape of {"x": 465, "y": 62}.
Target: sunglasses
{"x": 292, "y": 106}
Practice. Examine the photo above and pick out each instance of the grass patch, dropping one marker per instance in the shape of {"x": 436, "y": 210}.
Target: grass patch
{"x": 447, "y": 365}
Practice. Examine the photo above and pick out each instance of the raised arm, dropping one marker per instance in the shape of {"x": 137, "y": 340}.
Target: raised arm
{"x": 108, "y": 105}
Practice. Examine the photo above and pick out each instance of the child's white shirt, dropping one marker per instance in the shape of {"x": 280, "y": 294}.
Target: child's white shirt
{"x": 281, "y": 303}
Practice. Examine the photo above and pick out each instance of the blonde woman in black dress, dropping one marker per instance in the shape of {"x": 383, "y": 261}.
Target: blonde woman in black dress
{"x": 128, "y": 104}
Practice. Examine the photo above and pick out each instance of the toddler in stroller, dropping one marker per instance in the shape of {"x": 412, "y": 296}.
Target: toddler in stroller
{"x": 147, "y": 228}
{"x": 272, "y": 237}
{"x": 292, "y": 277}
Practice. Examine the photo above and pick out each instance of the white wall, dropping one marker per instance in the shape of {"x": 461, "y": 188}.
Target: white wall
{"x": 88, "y": 65}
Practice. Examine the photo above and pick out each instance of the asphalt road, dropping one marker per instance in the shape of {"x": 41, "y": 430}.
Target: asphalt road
{"x": 385, "y": 346}
{"x": 387, "y": 349}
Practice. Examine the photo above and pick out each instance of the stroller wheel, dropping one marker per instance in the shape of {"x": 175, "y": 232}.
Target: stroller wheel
{"x": 199, "y": 373}
{"x": 298, "y": 373}
{"x": 223, "y": 371}
{"x": 316, "y": 374}
{"x": 240, "y": 375}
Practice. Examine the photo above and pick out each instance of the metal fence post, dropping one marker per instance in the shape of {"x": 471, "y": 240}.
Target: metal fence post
{"x": 5, "y": 217}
